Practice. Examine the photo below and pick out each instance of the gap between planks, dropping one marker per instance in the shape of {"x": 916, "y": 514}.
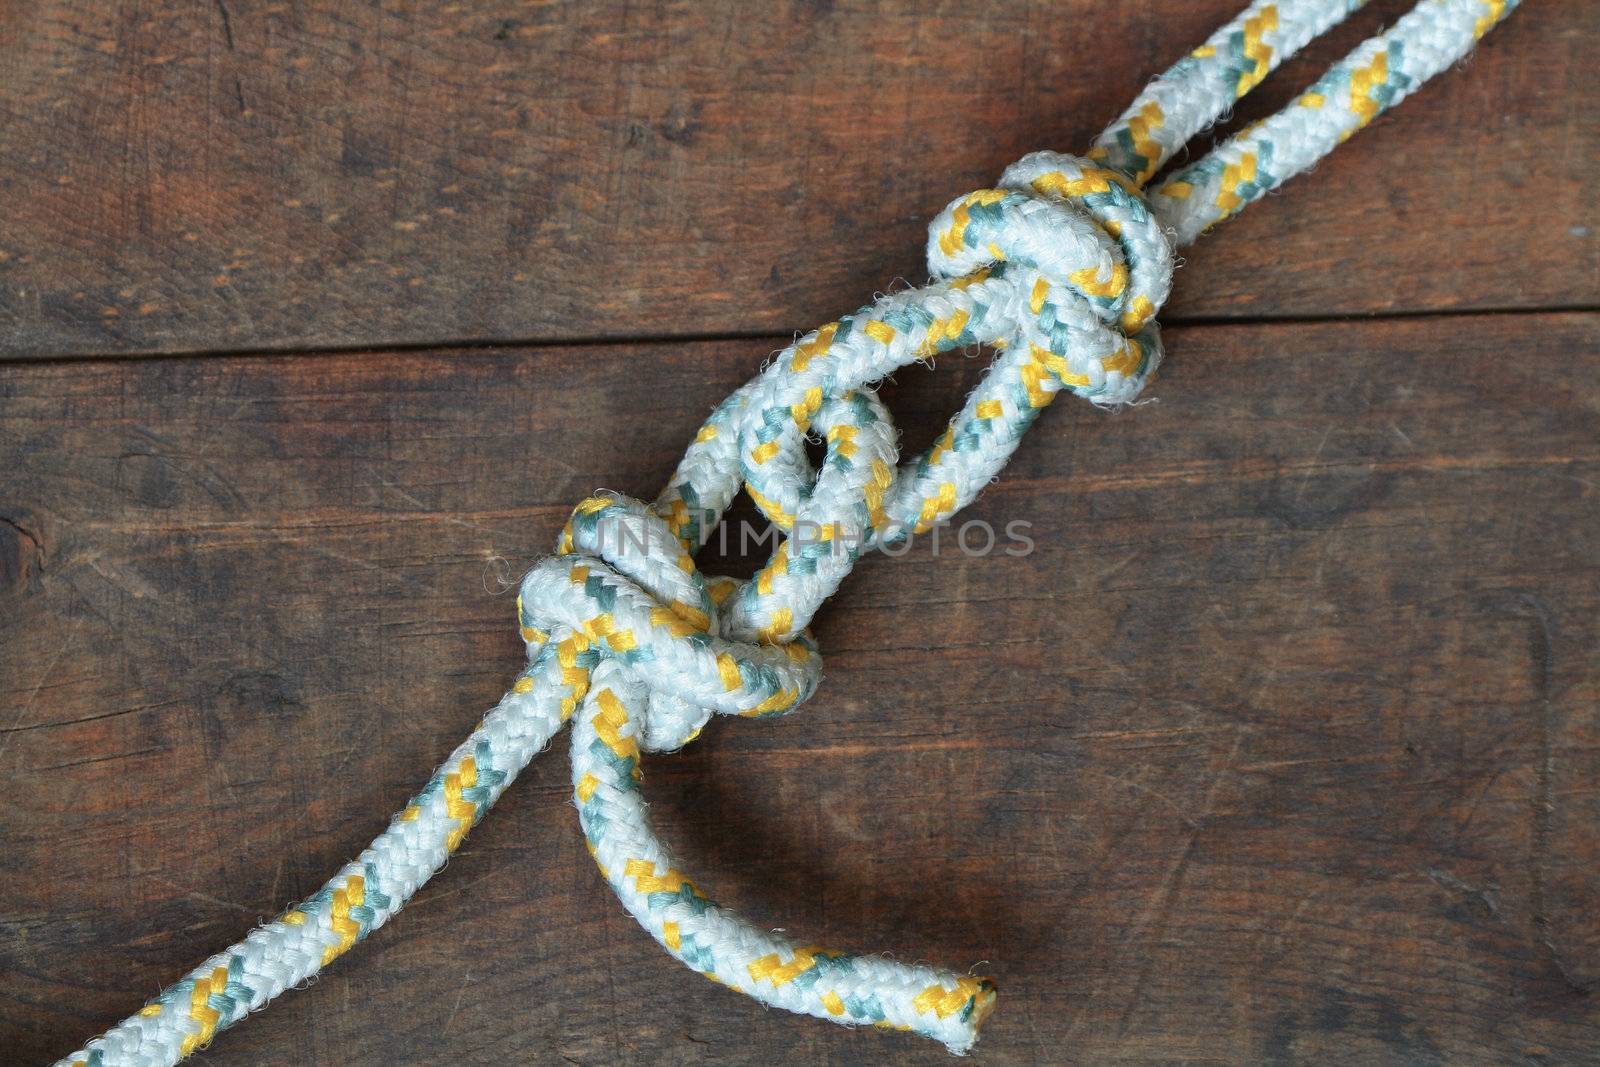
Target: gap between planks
{"x": 618, "y": 341}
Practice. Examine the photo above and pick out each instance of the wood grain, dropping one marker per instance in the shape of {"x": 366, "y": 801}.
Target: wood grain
{"x": 1281, "y": 747}
{"x": 225, "y": 176}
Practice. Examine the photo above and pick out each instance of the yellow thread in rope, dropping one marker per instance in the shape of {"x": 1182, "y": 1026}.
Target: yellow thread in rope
{"x": 608, "y": 725}
{"x": 1256, "y": 49}
{"x": 201, "y": 1011}
{"x": 782, "y": 620}
{"x": 809, "y": 350}
{"x": 1232, "y": 176}
{"x": 945, "y": 1002}
{"x": 1362, "y": 82}
{"x": 1485, "y": 23}
{"x": 645, "y": 879}
{"x": 351, "y": 894}
{"x": 772, "y": 969}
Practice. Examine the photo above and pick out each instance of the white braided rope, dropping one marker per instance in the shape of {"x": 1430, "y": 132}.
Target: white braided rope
{"x": 1061, "y": 268}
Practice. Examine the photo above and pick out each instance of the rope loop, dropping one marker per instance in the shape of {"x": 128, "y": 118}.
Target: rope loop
{"x": 1061, "y": 269}
{"x": 643, "y": 650}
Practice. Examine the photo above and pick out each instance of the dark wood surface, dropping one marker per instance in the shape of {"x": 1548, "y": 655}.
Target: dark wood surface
{"x": 1281, "y": 747}
{"x": 217, "y": 176}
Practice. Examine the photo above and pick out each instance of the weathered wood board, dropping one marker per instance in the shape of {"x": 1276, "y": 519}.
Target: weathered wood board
{"x": 1280, "y": 747}
{"x": 218, "y": 176}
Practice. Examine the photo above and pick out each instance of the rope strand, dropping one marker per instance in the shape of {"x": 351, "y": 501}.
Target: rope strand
{"x": 1061, "y": 269}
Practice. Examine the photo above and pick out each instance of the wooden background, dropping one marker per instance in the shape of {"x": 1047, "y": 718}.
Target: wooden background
{"x": 315, "y": 318}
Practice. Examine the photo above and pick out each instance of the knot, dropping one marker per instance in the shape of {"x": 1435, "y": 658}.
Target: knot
{"x": 1100, "y": 262}
{"x": 1061, "y": 269}
{"x": 623, "y": 586}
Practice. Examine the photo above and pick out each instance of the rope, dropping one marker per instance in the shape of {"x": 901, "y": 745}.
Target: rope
{"x": 1061, "y": 269}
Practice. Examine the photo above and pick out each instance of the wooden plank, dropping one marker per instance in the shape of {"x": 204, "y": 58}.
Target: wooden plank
{"x": 200, "y": 177}
{"x": 1280, "y": 746}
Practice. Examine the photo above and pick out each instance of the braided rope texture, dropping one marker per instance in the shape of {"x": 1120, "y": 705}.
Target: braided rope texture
{"x": 1060, "y": 269}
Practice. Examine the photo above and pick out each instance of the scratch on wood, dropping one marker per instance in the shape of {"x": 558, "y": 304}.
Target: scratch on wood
{"x": 227, "y": 30}
{"x": 204, "y": 898}
{"x": 1544, "y": 803}
{"x": 1154, "y": 914}
{"x": 44, "y": 676}
{"x": 102, "y": 759}
{"x": 1486, "y": 897}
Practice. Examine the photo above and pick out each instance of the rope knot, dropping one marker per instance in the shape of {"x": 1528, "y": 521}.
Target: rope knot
{"x": 623, "y": 587}
{"x": 638, "y": 649}
{"x": 1102, "y": 267}
{"x": 1061, "y": 269}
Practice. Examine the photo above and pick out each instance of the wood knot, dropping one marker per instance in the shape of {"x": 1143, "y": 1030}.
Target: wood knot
{"x": 21, "y": 555}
